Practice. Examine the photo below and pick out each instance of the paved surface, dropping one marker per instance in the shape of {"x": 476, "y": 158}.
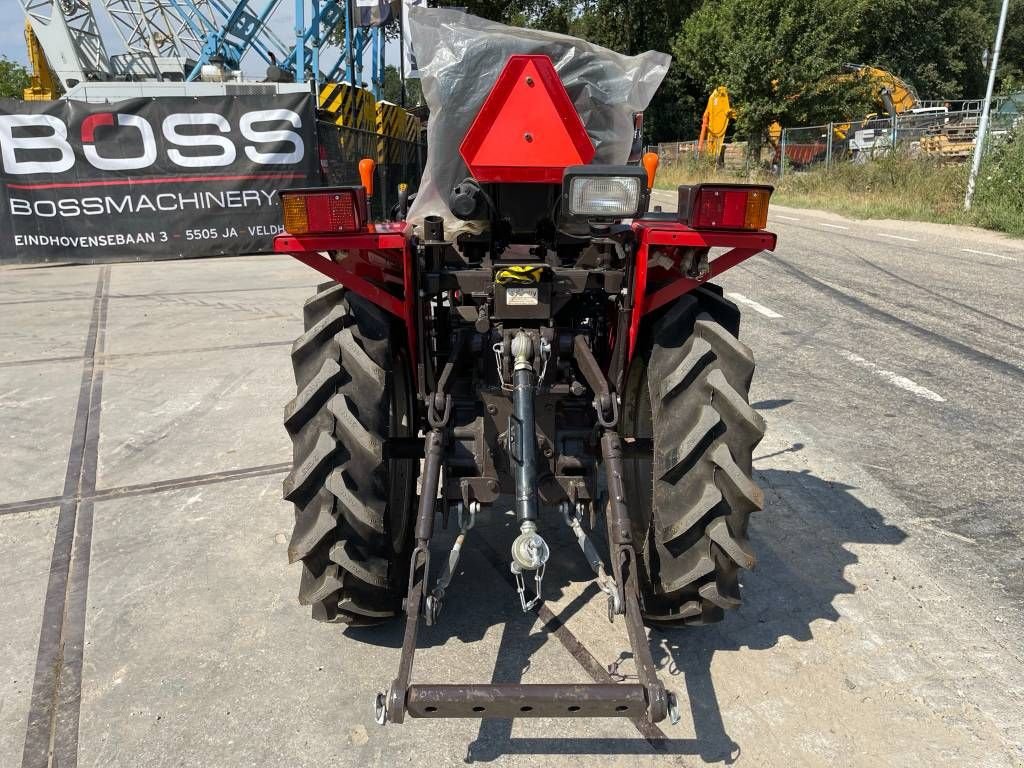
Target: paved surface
{"x": 149, "y": 616}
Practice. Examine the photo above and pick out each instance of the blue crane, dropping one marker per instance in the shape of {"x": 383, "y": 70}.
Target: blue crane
{"x": 175, "y": 39}
{"x": 230, "y": 31}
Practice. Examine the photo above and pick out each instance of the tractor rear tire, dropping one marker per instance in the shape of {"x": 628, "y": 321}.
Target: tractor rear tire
{"x": 693, "y": 491}
{"x": 352, "y": 506}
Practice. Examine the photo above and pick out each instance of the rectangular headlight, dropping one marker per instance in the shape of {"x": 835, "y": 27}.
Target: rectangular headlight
{"x": 604, "y": 191}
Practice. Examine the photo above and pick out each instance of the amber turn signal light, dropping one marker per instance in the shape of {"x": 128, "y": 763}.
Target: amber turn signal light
{"x": 322, "y": 211}
{"x": 725, "y": 206}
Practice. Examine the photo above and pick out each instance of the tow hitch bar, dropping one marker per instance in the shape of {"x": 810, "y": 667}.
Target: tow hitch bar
{"x": 647, "y": 698}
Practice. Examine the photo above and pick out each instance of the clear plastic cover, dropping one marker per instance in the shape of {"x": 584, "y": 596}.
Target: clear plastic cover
{"x": 459, "y": 58}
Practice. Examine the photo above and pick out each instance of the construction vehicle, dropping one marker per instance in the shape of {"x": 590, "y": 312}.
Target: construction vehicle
{"x": 891, "y": 93}
{"x": 714, "y": 123}
{"x": 44, "y": 85}
{"x": 874, "y": 133}
{"x": 568, "y": 351}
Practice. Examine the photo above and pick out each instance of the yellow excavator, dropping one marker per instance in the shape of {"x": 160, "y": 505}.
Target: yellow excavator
{"x": 892, "y": 94}
{"x": 44, "y": 86}
{"x": 715, "y": 123}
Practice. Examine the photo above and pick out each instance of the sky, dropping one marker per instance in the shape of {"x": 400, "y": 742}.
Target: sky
{"x": 12, "y": 39}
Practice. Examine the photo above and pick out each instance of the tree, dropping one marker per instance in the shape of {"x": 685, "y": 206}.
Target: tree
{"x": 14, "y": 79}
{"x": 779, "y": 60}
{"x": 1011, "y": 58}
{"x": 936, "y": 45}
{"x": 626, "y": 26}
{"x": 552, "y": 15}
{"x": 392, "y": 88}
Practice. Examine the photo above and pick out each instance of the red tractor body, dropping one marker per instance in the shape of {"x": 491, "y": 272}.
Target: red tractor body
{"x": 567, "y": 350}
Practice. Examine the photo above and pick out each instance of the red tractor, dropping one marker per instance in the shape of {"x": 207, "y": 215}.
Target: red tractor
{"x": 570, "y": 354}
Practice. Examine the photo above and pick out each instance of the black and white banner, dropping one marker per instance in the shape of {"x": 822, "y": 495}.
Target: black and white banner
{"x": 150, "y": 178}
{"x": 374, "y": 13}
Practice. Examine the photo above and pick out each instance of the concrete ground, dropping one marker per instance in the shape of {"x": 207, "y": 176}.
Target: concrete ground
{"x": 149, "y": 614}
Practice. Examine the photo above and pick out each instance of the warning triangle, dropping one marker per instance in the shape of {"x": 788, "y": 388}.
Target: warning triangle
{"x": 527, "y": 129}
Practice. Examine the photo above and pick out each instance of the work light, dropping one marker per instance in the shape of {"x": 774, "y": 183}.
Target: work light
{"x": 604, "y": 191}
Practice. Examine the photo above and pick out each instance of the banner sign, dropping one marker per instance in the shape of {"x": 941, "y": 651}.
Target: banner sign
{"x": 150, "y": 178}
{"x": 374, "y": 13}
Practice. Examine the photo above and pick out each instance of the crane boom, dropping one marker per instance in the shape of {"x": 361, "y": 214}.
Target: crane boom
{"x": 68, "y": 33}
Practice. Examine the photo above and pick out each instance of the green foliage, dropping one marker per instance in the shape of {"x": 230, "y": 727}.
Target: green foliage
{"x": 1011, "y": 58}
{"x": 894, "y": 186}
{"x": 14, "y": 79}
{"x": 553, "y": 15}
{"x": 935, "y": 44}
{"x": 998, "y": 203}
{"x": 779, "y": 60}
{"x": 392, "y": 88}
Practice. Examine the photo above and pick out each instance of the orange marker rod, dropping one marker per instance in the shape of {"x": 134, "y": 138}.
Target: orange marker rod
{"x": 366, "y": 169}
{"x": 650, "y": 163}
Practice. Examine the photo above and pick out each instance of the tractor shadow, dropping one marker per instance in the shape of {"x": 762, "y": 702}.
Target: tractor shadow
{"x": 801, "y": 540}
{"x": 482, "y": 592}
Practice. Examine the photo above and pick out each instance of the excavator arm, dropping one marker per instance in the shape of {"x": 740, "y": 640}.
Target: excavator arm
{"x": 715, "y": 123}
{"x": 894, "y": 93}
{"x": 44, "y": 86}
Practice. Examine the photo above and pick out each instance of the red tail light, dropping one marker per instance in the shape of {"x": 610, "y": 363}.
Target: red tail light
{"x": 725, "y": 206}
{"x": 323, "y": 211}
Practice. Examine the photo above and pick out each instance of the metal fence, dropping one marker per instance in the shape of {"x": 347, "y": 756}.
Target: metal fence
{"x": 936, "y": 134}
{"x": 677, "y": 152}
{"x": 935, "y": 130}
{"x": 399, "y": 161}
{"x": 734, "y": 156}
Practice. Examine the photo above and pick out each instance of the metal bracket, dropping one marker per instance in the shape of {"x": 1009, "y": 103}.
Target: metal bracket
{"x": 624, "y": 570}
{"x": 605, "y": 400}
{"x": 605, "y": 583}
{"x": 435, "y": 601}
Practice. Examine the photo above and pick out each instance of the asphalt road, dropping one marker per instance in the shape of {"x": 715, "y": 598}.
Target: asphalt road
{"x": 901, "y": 349}
{"x": 148, "y": 612}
